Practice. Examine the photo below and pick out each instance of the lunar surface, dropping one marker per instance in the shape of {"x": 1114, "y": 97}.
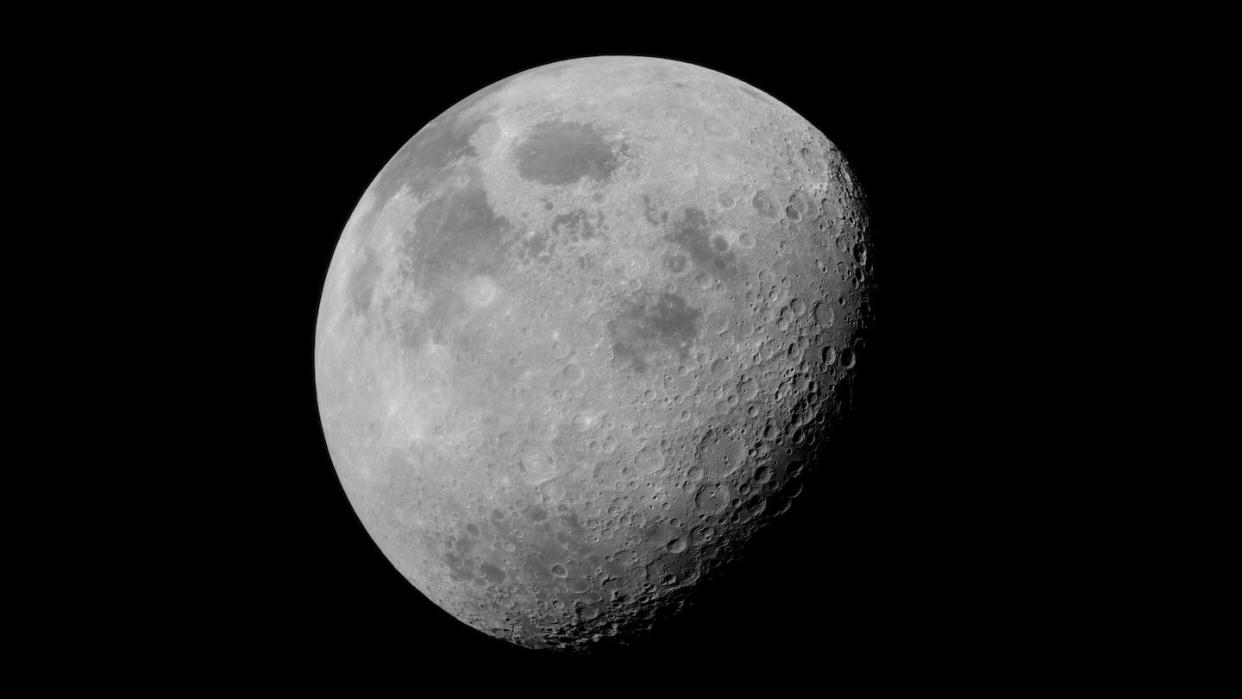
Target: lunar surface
{"x": 583, "y": 335}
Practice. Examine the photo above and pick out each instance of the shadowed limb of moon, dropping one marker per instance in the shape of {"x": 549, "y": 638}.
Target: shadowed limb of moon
{"x": 580, "y": 336}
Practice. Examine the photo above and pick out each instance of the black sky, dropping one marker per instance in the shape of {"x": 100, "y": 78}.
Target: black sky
{"x": 905, "y": 556}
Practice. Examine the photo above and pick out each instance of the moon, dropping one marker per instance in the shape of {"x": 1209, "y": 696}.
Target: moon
{"x": 582, "y": 337}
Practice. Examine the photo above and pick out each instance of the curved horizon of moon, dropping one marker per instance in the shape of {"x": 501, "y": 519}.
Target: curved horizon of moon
{"x": 580, "y": 337}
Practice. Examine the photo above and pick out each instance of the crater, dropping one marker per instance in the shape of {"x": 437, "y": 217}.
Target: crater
{"x": 764, "y": 205}
{"x": 674, "y": 262}
{"x": 649, "y": 460}
{"x": 719, "y": 452}
{"x": 563, "y": 152}
{"x": 538, "y": 466}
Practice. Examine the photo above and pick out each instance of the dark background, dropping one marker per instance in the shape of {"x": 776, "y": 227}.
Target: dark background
{"x": 913, "y": 552}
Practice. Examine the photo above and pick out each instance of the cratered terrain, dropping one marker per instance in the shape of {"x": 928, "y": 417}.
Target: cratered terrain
{"x": 583, "y": 335}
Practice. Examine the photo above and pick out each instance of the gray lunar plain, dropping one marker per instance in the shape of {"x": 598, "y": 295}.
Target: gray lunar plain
{"x": 582, "y": 336}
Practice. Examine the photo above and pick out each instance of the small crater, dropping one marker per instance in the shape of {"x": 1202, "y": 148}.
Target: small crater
{"x": 824, "y": 315}
{"x": 764, "y": 205}
{"x": 480, "y": 291}
{"x": 828, "y": 356}
{"x": 702, "y": 535}
{"x": 674, "y": 262}
{"x": 649, "y": 460}
{"x": 538, "y": 466}
{"x": 719, "y": 453}
{"x": 571, "y": 374}
{"x": 712, "y": 498}
{"x": 848, "y": 358}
